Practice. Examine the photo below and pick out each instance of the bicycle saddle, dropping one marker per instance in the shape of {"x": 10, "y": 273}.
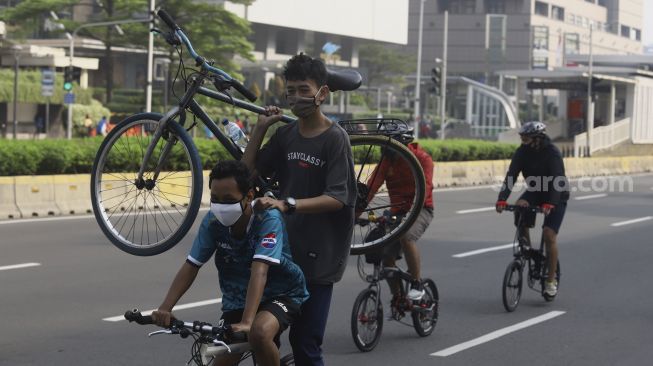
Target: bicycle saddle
{"x": 345, "y": 80}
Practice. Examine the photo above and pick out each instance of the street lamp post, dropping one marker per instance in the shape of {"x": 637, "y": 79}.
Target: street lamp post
{"x": 416, "y": 114}
{"x": 16, "y": 49}
{"x": 443, "y": 77}
{"x": 71, "y": 54}
{"x": 590, "y": 103}
{"x": 150, "y": 57}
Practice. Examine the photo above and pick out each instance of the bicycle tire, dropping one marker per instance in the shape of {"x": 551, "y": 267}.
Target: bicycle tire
{"x": 369, "y": 150}
{"x": 175, "y": 196}
{"x": 545, "y": 273}
{"x": 424, "y": 323}
{"x": 371, "y": 319}
{"x": 511, "y": 290}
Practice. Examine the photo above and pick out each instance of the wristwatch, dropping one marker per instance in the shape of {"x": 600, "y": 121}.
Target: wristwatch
{"x": 291, "y": 205}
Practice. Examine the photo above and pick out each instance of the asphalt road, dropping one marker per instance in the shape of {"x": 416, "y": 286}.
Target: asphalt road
{"x": 59, "y": 278}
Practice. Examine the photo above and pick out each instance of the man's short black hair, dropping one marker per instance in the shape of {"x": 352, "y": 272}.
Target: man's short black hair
{"x": 232, "y": 168}
{"x": 304, "y": 67}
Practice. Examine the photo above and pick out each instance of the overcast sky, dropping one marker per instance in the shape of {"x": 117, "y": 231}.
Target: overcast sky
{"x": 647, "y": 36}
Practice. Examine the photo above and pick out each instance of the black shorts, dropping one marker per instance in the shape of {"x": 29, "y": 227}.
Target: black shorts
{"x": 284, "y": 309}
{"x": 553, "y": 220}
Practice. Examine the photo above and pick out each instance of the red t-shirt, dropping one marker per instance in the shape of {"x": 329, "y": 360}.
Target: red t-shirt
{"x": 401, "y": 191}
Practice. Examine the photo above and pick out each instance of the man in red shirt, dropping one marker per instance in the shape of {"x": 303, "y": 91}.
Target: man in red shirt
{"x": 393, "y": 171}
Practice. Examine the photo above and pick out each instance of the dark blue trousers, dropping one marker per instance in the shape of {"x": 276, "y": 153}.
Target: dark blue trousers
{"x": 307, "y": 331}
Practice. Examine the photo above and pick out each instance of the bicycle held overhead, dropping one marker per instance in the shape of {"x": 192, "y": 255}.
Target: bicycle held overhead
{"x": 146, "y": 181}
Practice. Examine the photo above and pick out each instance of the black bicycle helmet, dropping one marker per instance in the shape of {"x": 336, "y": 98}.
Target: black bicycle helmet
{"x": 403, "y": 134}
{"x": 533, "y": 129}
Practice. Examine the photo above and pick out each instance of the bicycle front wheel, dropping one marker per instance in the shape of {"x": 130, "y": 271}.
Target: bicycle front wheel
{"x": 149, "y": 216}
{"x": 512, "y": 286}
{"x": 425, "y": 313}
{"x": 367, "y": 320}
{"x": 400, "y": 196}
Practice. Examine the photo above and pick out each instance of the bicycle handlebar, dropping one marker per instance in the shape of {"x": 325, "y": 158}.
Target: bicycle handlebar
{"x": 198, "y": 327}
{"x": 521, "y": 208}
{"x": 201, "y": 61}
{"x": 168, "y": 19}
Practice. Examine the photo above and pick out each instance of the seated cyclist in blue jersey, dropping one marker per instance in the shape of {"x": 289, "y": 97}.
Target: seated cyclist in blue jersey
{"x": 262, "y": 288}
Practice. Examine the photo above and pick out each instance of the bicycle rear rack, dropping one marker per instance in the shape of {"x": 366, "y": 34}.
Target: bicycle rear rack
{"x": 374, "y": 126}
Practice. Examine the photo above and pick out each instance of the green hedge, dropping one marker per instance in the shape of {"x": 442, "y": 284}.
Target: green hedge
{"x": 40, "y": 157}
{"x": 466, "y": 150}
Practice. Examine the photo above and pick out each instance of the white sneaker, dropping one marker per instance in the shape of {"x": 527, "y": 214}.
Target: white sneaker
{"x": 416, "y": 291}
{"x": 551, "y": 288}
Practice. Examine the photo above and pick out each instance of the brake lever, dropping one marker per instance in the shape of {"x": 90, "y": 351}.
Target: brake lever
{"x": 221, "y": 343}
{"x": 162, "y": 331}
{"x": 221, "y": 84}
{"x": 170, "y": 38}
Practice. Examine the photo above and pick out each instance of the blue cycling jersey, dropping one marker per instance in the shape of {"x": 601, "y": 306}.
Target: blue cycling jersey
{"x": 266, "y": 240}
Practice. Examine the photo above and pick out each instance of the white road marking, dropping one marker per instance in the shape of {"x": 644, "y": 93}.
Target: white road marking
{"x": 497, "y": 334}
{"x": 178, "y": 307}
{"x": 481, "y": 251}
{"x": 473, "y": 210}
{"x": 62, "y": 218}
{"x": 589, "y": 197}
{"x": 17, "y": 266}
{"x": 633, "y": 221}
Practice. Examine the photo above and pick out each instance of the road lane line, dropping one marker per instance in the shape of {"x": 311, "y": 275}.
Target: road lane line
{"x": 589, "y": 197}
{"x": 481, "y": 251}
{"x": 473, "y": 210}
{"x": 178, "y": 307}
{"x": 17, "y": 266}
{"x": 62, "y": 218}
{"x": 497, "y": 334}
{"x": 633, "y": 221}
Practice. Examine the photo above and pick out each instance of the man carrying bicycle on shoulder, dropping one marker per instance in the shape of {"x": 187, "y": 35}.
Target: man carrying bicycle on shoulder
{"x": 541, "y": 164}
{"x": 262, "y": 288}
{"x": 393, "y": 171}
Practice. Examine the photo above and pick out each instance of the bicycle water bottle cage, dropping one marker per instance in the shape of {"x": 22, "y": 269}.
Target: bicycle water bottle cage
{"x": 374, "y": 126}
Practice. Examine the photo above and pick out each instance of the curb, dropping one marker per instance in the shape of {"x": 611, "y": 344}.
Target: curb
{"x": 54, "y": 195}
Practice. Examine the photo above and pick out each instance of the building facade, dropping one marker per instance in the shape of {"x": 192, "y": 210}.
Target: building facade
{"x": 486, "y": 36}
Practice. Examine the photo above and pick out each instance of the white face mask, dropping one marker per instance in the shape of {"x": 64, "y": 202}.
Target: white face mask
{"x": 227, "y": 213}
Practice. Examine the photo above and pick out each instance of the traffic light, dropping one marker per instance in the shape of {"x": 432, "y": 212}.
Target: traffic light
{"x": 68, "y": 78}
{"x": 70, "y": 74}
{"x": 436, "y": 74}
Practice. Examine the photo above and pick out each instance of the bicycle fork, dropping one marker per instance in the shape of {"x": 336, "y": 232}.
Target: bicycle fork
{"x": 158, "y": 133}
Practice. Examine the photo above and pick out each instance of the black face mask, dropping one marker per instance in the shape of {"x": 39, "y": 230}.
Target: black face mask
{"x": 303, "y": 107}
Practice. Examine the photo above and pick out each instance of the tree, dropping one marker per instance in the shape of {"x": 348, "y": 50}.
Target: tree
{"x": 26, "y": 17}
{"x": 216, "y": 34}
{"x": 384, "y": 65}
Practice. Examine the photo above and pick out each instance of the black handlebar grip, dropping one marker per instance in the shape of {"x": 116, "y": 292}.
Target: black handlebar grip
{"x": 136, "y": 316}
{"x": 238, "y": 337}
{"x": 243, "y": 90}
{"x": 168, "y": 19}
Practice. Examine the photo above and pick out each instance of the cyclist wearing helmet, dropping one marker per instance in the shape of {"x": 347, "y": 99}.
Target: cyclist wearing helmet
{"x": 391, "y": 170}
{"x": 541, "y": 164}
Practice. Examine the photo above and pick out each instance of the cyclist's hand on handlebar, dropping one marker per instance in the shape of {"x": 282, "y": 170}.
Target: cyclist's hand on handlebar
{"x": 241, "y": 327}
{"x": 500, "y": 206}
{"x": 162, "y": 318}
{"x": 547, "y": 208}
{"x": 272, "y": 115}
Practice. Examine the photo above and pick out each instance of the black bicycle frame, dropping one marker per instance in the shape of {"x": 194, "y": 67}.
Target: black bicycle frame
{"x": 188, "y": 101}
